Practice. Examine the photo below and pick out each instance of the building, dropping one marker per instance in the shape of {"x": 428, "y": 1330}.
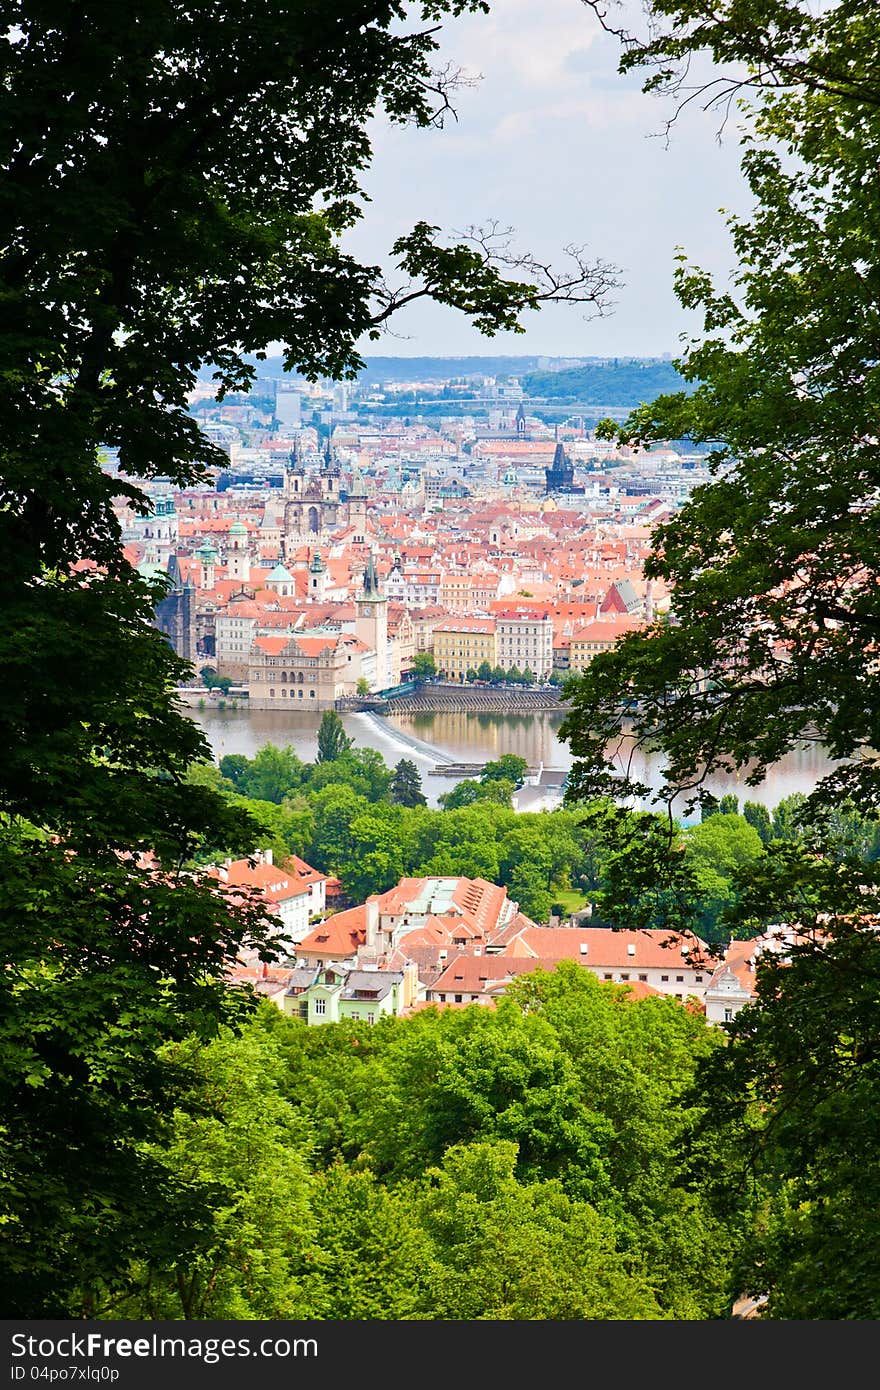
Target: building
{"x": 313, "y": 503}
{"x": 559, "y": 477}
{"x": 371, "y": 625}
{"x": 680, "y": 967}
{"x": 175, "y": 614}
{"x": 360, "y": 995}
{"x": 312, "y": 671}
{"x": 290, "y": 890}
{"x": 463, "y": 644}
{"x": 599, "y": 636}
{"x": 525, "y": 640}
{"x": 426, "y": 920}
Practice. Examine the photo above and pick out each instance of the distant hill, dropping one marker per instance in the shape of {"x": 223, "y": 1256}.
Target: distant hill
{"x": 615, "y": 382}
{"x": 416, "y": 368}
{"x": 612, "y": 381}
{"x": 442, "y": 368}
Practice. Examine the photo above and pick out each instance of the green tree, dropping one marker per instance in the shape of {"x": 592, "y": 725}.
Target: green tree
{"x": 363, "y": 769}
{"x": 757, "y": 815}
{"x": 222, "y": 683}
{"x": 376, "y": 862}
{"x": 507, "y": 1250}
{"x": 84, "y": 1099}
{"x": 714, "y": 852}
{"x": 234, "y": 767}
{"x": 236, "y": 1138}
{"x": 333, "y": 741}
{"x": 773, "y": 574}
{"x": 468, "y": 790}
{"x": 272, "y": 774}
{"x": 186, "y": 211}
{"x": 484, "y": 671}
{"x": 406, "y": 785}
{"x": 727, "y": 805}
{"x": 363, "y": 686}
{"x": 510, "y": 767}
{"x": 286, "y": 829}
{"x": 789, "y": 816}
{"x": 335, "y": 807}
{"x": 423, "y": 666}
{"x": 789, "y": 1107}
{"x": 350, "y": 1268}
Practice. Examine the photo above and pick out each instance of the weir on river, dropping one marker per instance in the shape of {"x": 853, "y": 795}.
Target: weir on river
{"x": 436, "y": 739}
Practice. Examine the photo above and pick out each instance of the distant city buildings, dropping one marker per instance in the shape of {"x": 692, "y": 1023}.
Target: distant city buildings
{"x": 336, "y": 546}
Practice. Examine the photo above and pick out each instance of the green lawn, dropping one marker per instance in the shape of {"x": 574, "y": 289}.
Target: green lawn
{"x": 570, "y": 899}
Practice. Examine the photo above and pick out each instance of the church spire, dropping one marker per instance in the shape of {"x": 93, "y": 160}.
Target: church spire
{"x": 371, "y": 578}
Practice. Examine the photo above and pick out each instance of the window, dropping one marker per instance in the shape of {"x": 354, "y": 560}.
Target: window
{"x": 272, "y": 694}
{"x": 643, "y": 977}
{"x": 320, "y": 1006}
{"x": 664, "y": 977}
{"x": 607, "y": 977}
{"x": 625, "y": 975}
{"x": 699, "y": 979}
{"x": 458, "y": 999}
{"x": 371, "y": 1017}
{"x": 728, "y": 1015}
{"x": 679, "y": 979}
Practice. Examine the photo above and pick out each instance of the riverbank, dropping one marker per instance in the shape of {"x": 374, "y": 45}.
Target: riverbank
{"x": 432, "y": 738}
{"x": 432, "y": 697}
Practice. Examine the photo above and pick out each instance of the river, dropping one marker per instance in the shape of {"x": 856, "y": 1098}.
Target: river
{"x": 431, "y": 739}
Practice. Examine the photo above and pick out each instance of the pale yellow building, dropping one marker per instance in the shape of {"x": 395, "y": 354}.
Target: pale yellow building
{"x": 598, "y": 636}
{"x": 303, "y": 672}
{"x": 457, "y": 592}
{"x": 462, "y": 644}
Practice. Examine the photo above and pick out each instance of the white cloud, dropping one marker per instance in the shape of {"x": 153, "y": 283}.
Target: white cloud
{"x": 554, "y": 142}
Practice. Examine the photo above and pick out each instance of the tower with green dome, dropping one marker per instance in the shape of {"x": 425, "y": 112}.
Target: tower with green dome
{"x": 238, "y": 559}
{"x": 317, "y": 578}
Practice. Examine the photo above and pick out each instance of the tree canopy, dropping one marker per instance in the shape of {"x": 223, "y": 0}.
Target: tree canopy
{"x": 773, "y": 565}
{"x": 773, "y": 568}
{"x": 175, "y": 187}
{"x": 333, "y": 741}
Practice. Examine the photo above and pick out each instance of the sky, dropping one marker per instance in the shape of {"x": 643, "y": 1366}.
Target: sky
{"x": 554, "y": 143}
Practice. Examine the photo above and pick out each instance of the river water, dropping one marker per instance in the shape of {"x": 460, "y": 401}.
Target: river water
{"x": 431, "y": 739}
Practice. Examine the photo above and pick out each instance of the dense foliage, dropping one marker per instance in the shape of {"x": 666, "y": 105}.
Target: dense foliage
{"x": 535, "y": 1177}
{"x": 176, "y": 182}
{"x": 774, "y": 569}
{"x": 355, "y": 817}
{"x": 612, "y": 383}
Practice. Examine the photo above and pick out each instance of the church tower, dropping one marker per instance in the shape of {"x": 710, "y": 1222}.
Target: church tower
{"x": 371, "y": 625}
{"x": 357, "y": 508}
{"x": 207, "y": 557}
{"x": 560, "y": 475}
{"x": 238, "y": 560}
{"x": 317, "y": 578}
